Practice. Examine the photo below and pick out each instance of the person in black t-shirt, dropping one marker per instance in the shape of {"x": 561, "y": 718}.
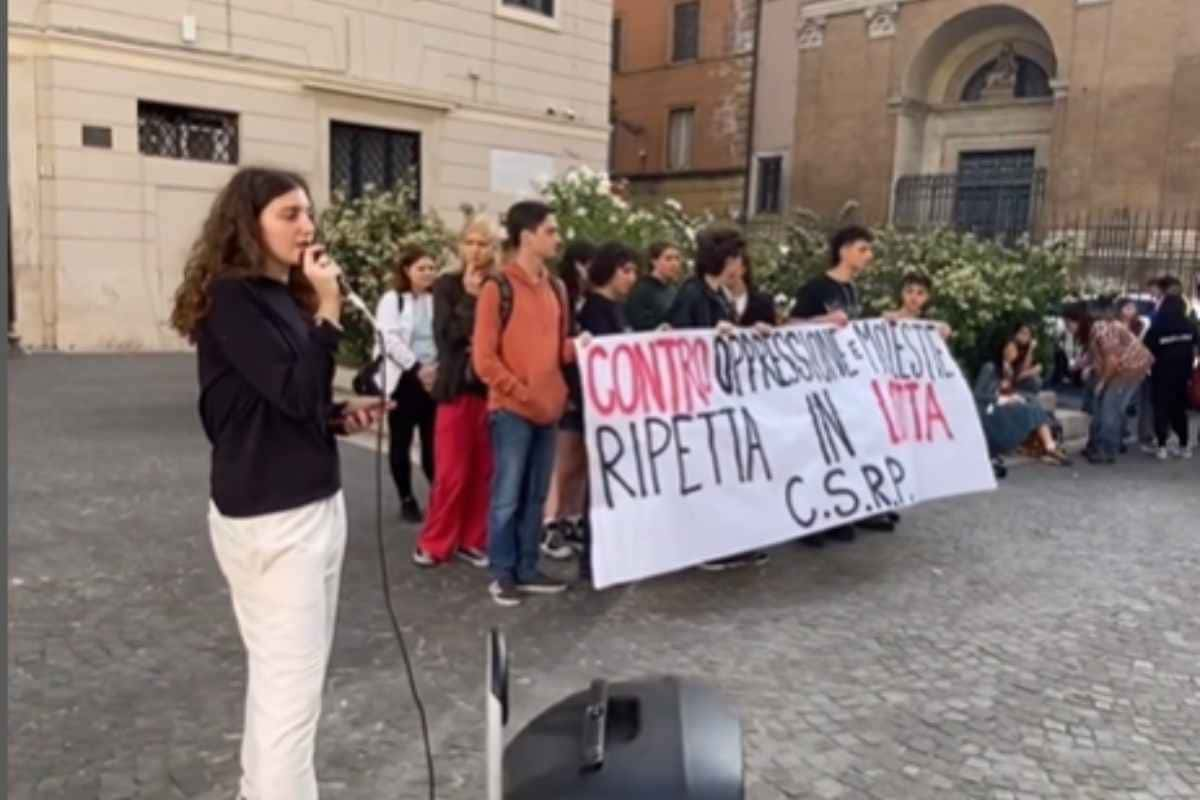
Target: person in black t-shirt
{"x": 833, "y": 299}
{"x": 261, "y": 303}
{"x": 611, "y": 277}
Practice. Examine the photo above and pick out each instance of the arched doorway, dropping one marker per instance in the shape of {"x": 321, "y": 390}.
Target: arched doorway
{"x": 975, "y": 120}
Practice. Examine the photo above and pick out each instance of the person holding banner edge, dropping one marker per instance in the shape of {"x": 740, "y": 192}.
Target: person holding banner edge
{"x": 611, "y": 276}
{"x": 832, "y": 299}
{"x": 701, "y": 303}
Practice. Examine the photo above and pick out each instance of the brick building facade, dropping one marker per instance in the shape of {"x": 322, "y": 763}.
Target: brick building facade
{"x": 1009, "y": 107}
{"x": 682, "y": 84}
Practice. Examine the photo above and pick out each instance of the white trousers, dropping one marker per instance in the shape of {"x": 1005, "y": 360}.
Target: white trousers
{"x": 283, "y": 571}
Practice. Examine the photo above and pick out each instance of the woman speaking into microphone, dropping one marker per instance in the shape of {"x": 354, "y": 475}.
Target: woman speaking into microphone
{"x": 261, "y": 303}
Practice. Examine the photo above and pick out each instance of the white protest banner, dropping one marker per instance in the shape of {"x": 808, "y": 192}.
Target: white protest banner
{"x": 702, "y": 446}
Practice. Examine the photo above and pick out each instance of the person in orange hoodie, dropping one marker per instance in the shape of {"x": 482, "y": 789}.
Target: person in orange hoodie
{"x": 519, "y": 347}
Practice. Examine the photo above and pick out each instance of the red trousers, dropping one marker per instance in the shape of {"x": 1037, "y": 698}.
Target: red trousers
{"x": 462, "y": 482}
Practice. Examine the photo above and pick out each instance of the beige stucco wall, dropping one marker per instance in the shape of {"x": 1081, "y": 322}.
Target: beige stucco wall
{"x": 100, "y": 234}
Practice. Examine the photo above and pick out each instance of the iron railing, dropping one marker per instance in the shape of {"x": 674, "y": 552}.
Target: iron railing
{"x": 1002, "y": 203}
{"x": 1125, "y": 248}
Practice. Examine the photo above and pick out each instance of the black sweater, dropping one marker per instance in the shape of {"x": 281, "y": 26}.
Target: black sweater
{"x": 1173, "y": 340}
{"x": 266, "y": 399}
{"x": 697, "y": 305}
{"x": 453, "y": 323}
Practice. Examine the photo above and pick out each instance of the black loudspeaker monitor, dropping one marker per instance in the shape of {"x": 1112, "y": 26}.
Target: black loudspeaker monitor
{"x": 663, "y": 738}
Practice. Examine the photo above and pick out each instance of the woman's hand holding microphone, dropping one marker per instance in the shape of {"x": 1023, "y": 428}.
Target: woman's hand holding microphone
{"x": 323, "y": 273}
{"x": 360, "y": 413}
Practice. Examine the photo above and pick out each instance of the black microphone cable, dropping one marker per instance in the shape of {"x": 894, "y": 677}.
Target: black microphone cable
{"x": 383, "y": 568}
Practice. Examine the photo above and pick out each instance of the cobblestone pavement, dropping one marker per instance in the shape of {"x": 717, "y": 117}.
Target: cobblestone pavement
{"x": 1042, "y": 641}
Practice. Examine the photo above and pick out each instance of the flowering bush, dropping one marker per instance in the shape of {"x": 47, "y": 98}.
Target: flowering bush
{"x": 363, "y": 235}
{"x": 981, "y": 288}
{"x": 589, "y": 207}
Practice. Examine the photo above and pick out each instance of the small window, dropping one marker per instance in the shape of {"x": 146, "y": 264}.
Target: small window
{"x": 363, "y": 158}
{"x": 189, "y": 133}
{"x": 770, "y": 184}
{"x": 545, "y": 7}
{"x": 686, "y": 32}
{"x": 616, "y": 45}
{"x": 681, "y": 127}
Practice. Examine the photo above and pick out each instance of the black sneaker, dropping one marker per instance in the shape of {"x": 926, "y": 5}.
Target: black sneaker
{"x": 541, "y": 584}
{"x": 880, "y": 523}
{"x": 893, "y": 516}
{"x": 504, "y": 593}
{"x": 816, "y": 541}
{"x": 843, "y": 534}
{"x": 410, "y": 510}
{"x": 573, "y": 533}
{"x": 553, "y": 546}
{"x": 755, "y": 559}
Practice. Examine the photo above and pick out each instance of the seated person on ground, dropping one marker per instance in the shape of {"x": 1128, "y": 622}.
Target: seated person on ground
{"x": 1010, "y": 421}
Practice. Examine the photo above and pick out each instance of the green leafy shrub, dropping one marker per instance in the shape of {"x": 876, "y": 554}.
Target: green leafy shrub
{"x": 363, "y": 235}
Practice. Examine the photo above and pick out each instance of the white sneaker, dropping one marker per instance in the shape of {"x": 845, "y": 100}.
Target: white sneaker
{"x": 1182, "y": 452}
{"x": 1149, "y": 448}
{"x": 1161, "y": 454}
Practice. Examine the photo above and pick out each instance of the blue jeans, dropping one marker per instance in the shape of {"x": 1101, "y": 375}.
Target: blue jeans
{"x": 1109, "y": 418}
{"x": 523, "y": 454}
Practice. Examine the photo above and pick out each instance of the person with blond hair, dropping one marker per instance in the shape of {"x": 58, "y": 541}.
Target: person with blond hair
{"x": 457, "y": 522}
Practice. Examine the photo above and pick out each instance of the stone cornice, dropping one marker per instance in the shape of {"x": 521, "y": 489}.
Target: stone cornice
{"x": 838, "y": 8}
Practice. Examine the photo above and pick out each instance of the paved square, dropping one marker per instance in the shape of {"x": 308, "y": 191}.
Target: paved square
{"x": 1042, "y": 641}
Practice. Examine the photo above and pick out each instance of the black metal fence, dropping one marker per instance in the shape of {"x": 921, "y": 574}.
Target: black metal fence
{"x": 1125, "y": 248}
{"x": 1001, "y": 202}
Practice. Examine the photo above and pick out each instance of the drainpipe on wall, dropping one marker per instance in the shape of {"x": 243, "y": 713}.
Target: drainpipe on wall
{"x": 758, "y": 5}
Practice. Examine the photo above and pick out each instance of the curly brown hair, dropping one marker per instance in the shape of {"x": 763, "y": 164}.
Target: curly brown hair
{"x": 229, "y": 246}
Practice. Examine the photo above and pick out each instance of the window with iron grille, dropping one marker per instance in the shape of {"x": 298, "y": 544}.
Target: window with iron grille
{"x": 680, "y": 132}
{"x": 191, "y": 133}
{"x": 770, "y": 184}
{"x": 545, "y": 7}
{"x": 616, "y": 45}
{"x": 364, "y": 158}
{"x": 686, "y": 32}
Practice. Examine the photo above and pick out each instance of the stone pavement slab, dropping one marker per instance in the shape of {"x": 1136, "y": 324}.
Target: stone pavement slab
{"x": 1041, "y": 641}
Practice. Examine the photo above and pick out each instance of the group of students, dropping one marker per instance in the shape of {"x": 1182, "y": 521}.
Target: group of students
{"x": 479, "y": 362}
{"x": 483, "y": 365}
{"x": 1131, "y": 367}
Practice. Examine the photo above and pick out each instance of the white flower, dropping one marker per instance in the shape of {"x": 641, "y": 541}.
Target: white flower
{"x": 784, "y": 249}
{"x": 572, "y": 178}
{"x": 619, "y": 203}
{"x": 586, "y": 171}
